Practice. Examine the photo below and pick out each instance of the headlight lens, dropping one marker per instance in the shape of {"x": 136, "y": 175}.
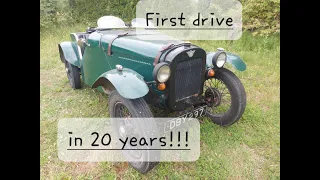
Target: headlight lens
{"x": 163, "y": 73}
{"x": 221, "y": 60}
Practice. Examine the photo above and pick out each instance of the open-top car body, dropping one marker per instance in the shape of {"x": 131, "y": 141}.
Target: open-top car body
{"x": 173, "y": 75}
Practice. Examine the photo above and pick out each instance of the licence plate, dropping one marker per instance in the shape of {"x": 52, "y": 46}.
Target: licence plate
{"x": 176, "y": 122}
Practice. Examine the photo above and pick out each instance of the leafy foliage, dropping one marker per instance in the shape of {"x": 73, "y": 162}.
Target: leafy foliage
{"x": 262, "y": 16}
{"x": 61, "y": 12}
{"x": 53, "y": 13}
{"x": 259, "y": 16}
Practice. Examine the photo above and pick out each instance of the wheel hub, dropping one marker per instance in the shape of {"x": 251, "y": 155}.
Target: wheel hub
{"x": 213, "y": 96}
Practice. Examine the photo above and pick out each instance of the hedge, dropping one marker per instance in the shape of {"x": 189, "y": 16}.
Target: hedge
{"x": 259, "y": 16}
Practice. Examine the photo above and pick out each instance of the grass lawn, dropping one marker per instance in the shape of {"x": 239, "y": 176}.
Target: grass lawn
{"x": 249, "y": 149}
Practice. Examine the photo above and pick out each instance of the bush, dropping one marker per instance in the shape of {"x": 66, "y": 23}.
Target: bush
{"x": 259, "y": 16}
{"x": 59, "y": 12}
{"x": 53, "y": 13}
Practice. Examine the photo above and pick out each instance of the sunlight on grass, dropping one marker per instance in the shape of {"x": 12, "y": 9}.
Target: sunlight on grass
{"x": 249, "y": 149}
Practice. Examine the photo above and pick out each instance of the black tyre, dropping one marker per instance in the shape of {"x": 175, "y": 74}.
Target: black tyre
{"x": 73, "y": 73}
{"x": 227, "y": 98}
{"x": 120, "y": 107}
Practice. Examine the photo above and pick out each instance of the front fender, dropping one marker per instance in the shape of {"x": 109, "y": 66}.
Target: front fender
{"x": 69, "y": 52}
{"x": 233, "y": 59}
{"x": 127, "y": 82}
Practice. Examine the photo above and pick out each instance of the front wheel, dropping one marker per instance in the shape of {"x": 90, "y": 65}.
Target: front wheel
{"x": 120, "y": 107}
{"x": 226, "y": 97}
{"x": 73, "y": 73}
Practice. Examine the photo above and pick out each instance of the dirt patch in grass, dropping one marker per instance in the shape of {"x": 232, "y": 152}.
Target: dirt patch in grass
{"x": 83, "y": 168}
{"x": 69, "y": 170}
{"x": 120, "y": 169}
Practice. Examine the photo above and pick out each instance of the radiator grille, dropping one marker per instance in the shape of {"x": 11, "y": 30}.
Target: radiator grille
{"x": 188, "y": 78}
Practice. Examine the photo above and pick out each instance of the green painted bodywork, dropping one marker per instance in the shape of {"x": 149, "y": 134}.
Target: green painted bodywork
{"x": 134, "y": 54}
{"x": 128, "y": 83}
{"x": 233, "y": 59}
{"x": 70, "y": 53}
{"x": 128, "y": 51}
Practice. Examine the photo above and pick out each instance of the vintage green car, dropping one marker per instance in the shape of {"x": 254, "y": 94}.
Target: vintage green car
{"x": 169, "y": 74}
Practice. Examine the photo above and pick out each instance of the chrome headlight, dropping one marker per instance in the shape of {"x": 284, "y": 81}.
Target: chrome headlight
{"x": 219, "y": 59}
{"x": 162, "y": 72}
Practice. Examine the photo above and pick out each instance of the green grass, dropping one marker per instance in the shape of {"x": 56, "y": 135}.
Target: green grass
{"x": 249, "y": 149}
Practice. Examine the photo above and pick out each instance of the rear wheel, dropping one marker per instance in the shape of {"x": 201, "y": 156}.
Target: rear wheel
{"x": 125, "y": 109}
{"x": 73, "y": 73}
{"x": 226, "y": 96}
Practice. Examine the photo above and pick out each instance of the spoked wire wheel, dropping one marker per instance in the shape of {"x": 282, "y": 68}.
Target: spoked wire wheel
{"x": 127, "y": 129}
{"x": 225, "y": 96}
{"x": 216, "y": 92}
{"x": 124, "y": 110}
